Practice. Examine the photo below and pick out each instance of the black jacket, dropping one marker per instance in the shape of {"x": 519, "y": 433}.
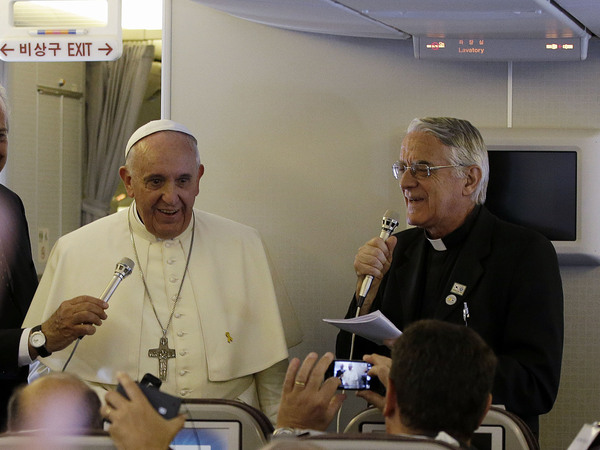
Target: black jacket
{"x": 18, "y": 282}
{"x": 515, "y": 301}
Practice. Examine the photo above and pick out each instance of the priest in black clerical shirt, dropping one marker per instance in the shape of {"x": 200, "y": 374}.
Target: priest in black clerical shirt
{"x": 462, "y": 264}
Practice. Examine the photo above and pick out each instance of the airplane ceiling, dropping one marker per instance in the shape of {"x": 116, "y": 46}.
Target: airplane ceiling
{"x": 506, "y": 22}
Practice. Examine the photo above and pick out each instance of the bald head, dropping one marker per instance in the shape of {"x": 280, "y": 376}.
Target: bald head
{"x": 59, "y": 401}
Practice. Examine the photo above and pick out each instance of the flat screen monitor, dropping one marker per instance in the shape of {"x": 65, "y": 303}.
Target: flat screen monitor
{"x": 372, "y": 427}
{"x": 489, "y": 437}
{"x": 535, "y": 188}
{"x": 208, "y": 435}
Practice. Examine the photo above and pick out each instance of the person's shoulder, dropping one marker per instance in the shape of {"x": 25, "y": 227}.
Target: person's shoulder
{"x": 7, "y": 195}
{"x": 518, "y": 238}
{"x": 408, "y": 235}
{"x": 107, "y": 223}
{"x": 6, "y": 191}
{"x": 216, "y": 222}
{"x": 516, "y": 231}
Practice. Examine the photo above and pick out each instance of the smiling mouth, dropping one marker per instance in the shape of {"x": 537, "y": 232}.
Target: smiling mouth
{"x": 169, "y": 212}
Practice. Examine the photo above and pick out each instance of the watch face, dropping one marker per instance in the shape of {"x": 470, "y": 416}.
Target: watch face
{"x": 38, "y": 339}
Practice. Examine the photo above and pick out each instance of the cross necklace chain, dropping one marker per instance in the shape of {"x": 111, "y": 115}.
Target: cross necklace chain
{"x": 163, "y": 352}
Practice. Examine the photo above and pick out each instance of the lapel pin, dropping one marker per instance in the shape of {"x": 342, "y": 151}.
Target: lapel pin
{"x": 458, "y": 289}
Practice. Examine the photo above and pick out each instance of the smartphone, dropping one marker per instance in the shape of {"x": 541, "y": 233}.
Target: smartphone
{"x": 166, "y": 405}
{"x": 353, "y": 373}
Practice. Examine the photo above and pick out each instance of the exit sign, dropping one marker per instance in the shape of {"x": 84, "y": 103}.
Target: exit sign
{"x": 84, "y": 48}
{"x": 59, "y": 30}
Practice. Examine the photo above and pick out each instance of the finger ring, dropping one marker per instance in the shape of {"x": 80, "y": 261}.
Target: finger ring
{"x": 299, "y": 383}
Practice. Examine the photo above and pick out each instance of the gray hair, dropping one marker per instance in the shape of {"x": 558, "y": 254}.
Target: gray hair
{"x": 466, "y": 145}
{"x": 4, "y": 102}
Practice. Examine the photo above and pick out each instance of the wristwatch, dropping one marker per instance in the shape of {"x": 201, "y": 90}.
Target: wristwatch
{"x": 37, "y": 339}
{"x": 293, "y": 432}
{"x": 284, "y": 431}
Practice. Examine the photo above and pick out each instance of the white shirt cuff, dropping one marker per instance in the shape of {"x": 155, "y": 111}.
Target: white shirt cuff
{"x": 24, "y": 358}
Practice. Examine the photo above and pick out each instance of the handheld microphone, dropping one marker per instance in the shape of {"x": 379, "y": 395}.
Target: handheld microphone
{"x": 123, "y": 268}
{"x": 388, "y": 225}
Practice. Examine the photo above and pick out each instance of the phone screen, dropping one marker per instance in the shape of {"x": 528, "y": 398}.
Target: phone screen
{"x": 353, "y": 374}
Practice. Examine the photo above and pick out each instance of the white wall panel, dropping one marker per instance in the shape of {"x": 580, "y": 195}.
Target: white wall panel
{"x": 45, "y": 151}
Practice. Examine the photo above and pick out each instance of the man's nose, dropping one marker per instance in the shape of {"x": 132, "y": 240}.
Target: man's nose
{"x": 169, "y": 192}
{"x": 407, "y": 180}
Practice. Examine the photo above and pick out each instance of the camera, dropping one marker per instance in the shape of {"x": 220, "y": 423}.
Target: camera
{"x": 166, "y": 405}
{"x": 353, "y": 374}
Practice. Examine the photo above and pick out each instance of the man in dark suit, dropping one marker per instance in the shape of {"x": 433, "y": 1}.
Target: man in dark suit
{"x": 18, "y": 279}
{"x": 18, "y": 282}
{"x": 463, "y": 265}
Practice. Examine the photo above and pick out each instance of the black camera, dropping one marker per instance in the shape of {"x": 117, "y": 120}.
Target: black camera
{"x": 166, "y": 405}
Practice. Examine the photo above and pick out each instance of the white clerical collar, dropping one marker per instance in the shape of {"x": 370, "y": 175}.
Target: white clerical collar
{"x": 438, "y": 244}
{"x": 441, "y": 436}
{"x": 140, "y": 229}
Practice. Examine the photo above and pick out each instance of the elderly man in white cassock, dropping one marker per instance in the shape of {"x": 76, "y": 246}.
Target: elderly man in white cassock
{"x": 199, "y": 310}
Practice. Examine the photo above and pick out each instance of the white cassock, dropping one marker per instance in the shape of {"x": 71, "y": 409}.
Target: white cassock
{"x": 226, "y": 327}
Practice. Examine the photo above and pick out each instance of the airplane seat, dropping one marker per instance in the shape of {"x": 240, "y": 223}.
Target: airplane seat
{"x": 241, "y": 426}
{"x": 500, "y": 429}
{"x": 379, "y": 441}
{"x": 26, "y": 440}
{"x": 366, "y": 421}
{"x": 506, "y": 431}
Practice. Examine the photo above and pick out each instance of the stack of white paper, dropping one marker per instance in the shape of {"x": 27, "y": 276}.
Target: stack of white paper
{"x": 373, "y": 326}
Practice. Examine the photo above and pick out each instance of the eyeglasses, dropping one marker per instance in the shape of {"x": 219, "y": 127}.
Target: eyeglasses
{"x": 417, "y": 170}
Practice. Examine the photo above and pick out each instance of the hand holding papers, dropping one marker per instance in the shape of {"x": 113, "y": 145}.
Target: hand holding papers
{"x": 373, "y": 326}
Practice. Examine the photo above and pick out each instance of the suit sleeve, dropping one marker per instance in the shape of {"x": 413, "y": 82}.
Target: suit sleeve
{"x": 530, "y": 355}
{"x": 9, "y": 349}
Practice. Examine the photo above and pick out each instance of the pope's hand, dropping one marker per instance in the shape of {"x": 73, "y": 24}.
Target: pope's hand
{"x": 76, "y": 317}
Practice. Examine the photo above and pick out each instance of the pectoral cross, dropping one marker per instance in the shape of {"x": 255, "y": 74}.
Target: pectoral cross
{"x": 163, "y": 353}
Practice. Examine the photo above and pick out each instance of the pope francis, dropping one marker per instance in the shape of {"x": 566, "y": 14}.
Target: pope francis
{"x": 198, "y": 311}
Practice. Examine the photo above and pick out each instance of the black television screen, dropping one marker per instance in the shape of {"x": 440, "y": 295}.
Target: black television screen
{"x": 536, "y": 189}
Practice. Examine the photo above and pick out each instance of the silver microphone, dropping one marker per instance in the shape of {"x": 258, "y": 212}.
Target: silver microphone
{"x": 388, "y": 225}
{"x": 123, "y": 268}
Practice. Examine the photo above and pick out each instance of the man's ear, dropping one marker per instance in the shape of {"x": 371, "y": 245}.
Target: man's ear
{"x": 487, "y": 408}
{"x": 472, "y": 180}
{"x": 391, "y": 403}
{"x": 125, "y": 175}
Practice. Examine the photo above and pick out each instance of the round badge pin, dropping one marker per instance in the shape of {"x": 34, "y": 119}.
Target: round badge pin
{"x": 451, "y": 300}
